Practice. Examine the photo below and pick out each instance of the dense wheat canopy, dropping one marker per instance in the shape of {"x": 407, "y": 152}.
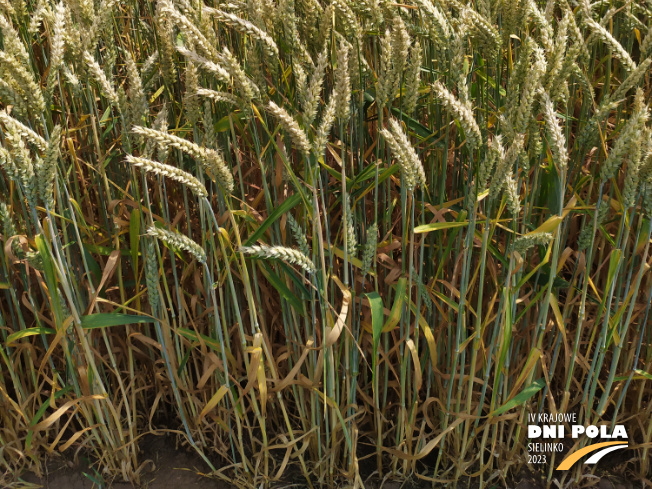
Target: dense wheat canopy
{"x": 322, "y": 240}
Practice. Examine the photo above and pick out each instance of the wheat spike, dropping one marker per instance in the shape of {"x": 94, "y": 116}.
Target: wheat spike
{"x": 282, "y": 253}
{"x": 178, "y": 241}
{"x": 246, "y": 27}
{"x": 24, "y": 131}
{"x": 460, "y": 112}
{"x": 297, "y": 134}
{"x": 105, "y": 86}
{"x": 557, "y": 139}
{"x": 210, "y": 159}
{"x": 169, "y": 171}
{"x": 524, "y": 243}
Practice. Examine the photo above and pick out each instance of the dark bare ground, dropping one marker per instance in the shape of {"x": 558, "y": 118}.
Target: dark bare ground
{"x": 173, "y": 467}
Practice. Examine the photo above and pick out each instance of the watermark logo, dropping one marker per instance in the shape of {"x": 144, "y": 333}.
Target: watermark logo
{"x": 548, "y": 428}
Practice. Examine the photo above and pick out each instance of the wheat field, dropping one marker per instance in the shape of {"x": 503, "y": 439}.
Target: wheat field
{"x": 324, "y": 240}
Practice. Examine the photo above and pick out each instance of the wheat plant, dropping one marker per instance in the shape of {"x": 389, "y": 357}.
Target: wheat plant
{"x": 323, "y": 240}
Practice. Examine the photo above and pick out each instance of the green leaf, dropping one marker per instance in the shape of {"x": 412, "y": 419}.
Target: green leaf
{"x": 39, "y": 414}
{"x": 382, "y": 176}
{"x": 436, "y": 226}
{"x": 640, "y": 375}
{"x": 157, "y": 94}
{"x": 287, "y": 204}
{"x": 48, "y": 266}
{"x": 106, "y": 116}
{"x": 224, "y": 124}
{"x": 134, "y": 237}
{"x": 497, "y": 254}
{"x": 482, "y": 74}
{"x": 505, "y": 343}
{"x": 338, "y": 175}
{"x": 24, "y": 333}
{"x": 192, "y": 336}
{"x": 376, "y": 303}
{"x": 551, "y": 189}
{"x": 51, "y": 279}
{"x": 107, "y": 319}
{"x": 366, "y": 174}
{"x": 299, "y": 288}
{"x": 413, "y": 125}
{"x": 397, "y": 308}
{"x": 282, "y": 289}
{"x": 105, "y": 250}
{"x": 93, "y": 267}
{"x": 521, "y": 397}
{"x": 614, "y": 261}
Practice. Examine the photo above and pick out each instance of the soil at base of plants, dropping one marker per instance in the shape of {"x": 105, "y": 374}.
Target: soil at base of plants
{"x": 173, "y": 467}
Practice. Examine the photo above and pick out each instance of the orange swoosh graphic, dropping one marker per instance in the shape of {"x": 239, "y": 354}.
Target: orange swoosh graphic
{"x": 568, "y": 462}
